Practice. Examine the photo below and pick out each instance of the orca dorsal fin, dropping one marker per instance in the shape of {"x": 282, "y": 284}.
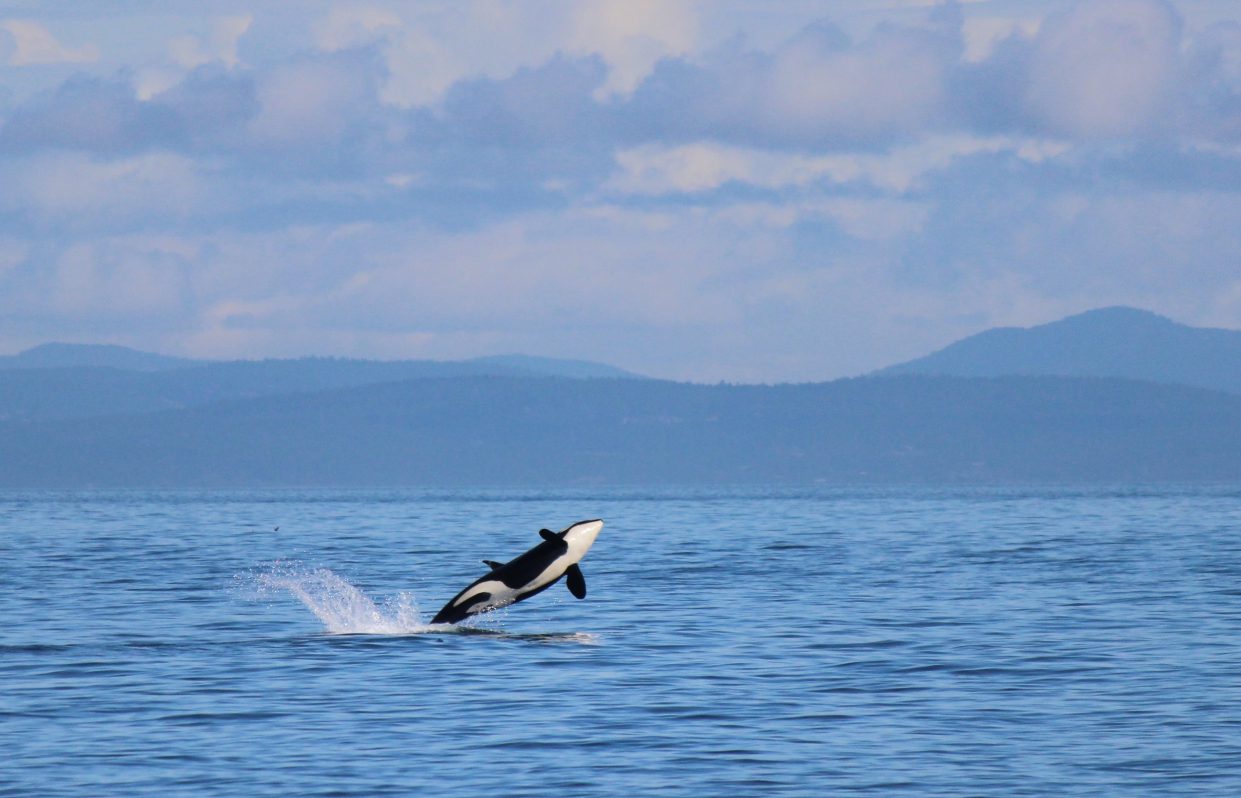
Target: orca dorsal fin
{"x": 547, "y": 534}
{"x": 493, "y": 564}
{"x": 576, "y": 580}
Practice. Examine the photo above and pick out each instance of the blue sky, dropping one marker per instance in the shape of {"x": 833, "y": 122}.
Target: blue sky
{"x": 726, "y": 190}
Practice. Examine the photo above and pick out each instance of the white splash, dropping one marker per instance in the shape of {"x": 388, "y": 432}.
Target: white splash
{"x": 343, "y": 608}
{"x": 346, "y": 610}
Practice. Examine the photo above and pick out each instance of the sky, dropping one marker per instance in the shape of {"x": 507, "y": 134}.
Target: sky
{"x": 725, "y": 190}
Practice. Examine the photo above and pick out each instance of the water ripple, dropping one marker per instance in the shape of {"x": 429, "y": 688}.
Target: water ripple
{"x": 1016, "y": 642}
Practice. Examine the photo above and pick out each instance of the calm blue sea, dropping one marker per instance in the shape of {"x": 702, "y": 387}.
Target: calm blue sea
{"x": 911, "y": 642}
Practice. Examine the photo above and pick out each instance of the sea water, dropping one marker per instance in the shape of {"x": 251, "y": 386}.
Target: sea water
{"x": 910, "y": 642}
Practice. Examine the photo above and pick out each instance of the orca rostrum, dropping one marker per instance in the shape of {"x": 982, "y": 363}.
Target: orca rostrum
{"x": 528, "y": 575}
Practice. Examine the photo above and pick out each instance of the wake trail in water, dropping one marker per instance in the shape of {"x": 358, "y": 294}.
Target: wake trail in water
{"x": 343, "y": 608}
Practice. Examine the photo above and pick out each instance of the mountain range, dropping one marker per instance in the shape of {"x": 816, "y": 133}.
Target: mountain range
{"x": 1109, "y": 342}
{"x": 80, "y": 381}
{"x": 1114, "y": 395}
{"x": 59, "y": 355}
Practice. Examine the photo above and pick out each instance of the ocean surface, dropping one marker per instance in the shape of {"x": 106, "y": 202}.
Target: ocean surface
{"x": 894, "y": 642}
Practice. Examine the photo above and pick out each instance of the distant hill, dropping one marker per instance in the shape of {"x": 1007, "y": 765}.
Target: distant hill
{"x": 70, "y": 381}
{"x": 57, "y": 355}
{"x": 78, "y": 417}
{"x": 61, "y": 355}
{"x": 1110, "y": 342}
{"x": 556, "y": 431}
{"x": 551, "y": 367}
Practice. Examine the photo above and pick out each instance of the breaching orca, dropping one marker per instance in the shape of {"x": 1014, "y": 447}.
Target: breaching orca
{"x": 529, "y": 574}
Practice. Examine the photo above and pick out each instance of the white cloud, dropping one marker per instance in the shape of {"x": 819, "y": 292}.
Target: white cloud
{"x": 705, "y": 166}
{"x": 8, "y": 45}
{"x": 429, "y": 47}
{"x": 1106, "y": 68}
{"x": 876, "y": 219}
{"x": 422, "y": 68}
{"x": 13, "y": 252}
{"x": 588, "y": 270}
{"x": 35, "y": 44}
{"x": 82, "y": 192}
{"x": 894, "y": 81}
{"x": 632, "y": 35}
{"x": 982, "y": 33}
{"x": 354, "y": 26}
{"x": 118, "y": 280}
{"x": 791, "y": 207}
{"x": 312, "y": 100}
{"x": 187, "y": 52}
{"x": 221, "y": 44}
{"x": 731, "y": 292}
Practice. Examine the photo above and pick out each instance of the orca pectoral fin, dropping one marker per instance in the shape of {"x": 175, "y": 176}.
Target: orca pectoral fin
{"x": 492, "y": 564}
{"x": 576, "y": 580}
{"x": 547, "y": 534}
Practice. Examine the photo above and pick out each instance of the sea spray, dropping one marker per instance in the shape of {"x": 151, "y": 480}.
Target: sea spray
{"x": 342, "y": 607}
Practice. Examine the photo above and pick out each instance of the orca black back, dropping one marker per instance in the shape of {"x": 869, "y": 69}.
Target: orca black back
{"x": 526, "y": 575}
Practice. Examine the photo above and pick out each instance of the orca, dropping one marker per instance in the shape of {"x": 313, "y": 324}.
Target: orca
{"x": 529, "y": 574}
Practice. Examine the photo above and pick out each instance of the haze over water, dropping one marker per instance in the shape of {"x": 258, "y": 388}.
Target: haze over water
{"x": 916, "y": 642}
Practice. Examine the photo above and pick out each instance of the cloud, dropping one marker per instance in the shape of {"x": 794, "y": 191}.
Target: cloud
{"x": 1106, "y": 68}
{"x": 104, "y": 288}
{"x": 72, "y": 191}
{"x": 315, "y": 99}
{"x": 805, "y": 287}
{"x": 13, "y": 252}
{"x": 93, "y": 281}
{"x": 427, "y": 48}
{"x": 818, "y": 90}
{"x": 8, "y": 45}
{"x": 426, "y": 51}
{"x": 1214, "y": 72}
{"x": 632, "y": 36}
{"x": 220, "y": 45}
{"x": 983, "y": 34}
{"x": 91, "y": 115}
{"x": 33, "y": 44}
{"x": 707, "y": 166}
{"x": 1112, "y": 70}
{"x": 213, "y": 109}
{"x": 1070, "y": 242}
{"x": 551, "y": 105}
{"x": 623, "y": 181}
{"x": 316, "y": 114}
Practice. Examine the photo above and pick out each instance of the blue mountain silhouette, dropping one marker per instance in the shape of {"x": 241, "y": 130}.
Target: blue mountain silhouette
{"x": 1109, "y": 342}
